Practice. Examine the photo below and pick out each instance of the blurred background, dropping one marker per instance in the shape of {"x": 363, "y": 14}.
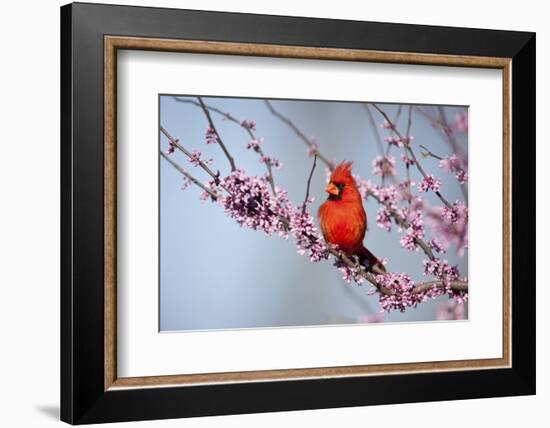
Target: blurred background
{"x": 217, "y": 275}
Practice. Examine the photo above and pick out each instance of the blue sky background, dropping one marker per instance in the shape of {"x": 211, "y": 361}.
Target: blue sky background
{"x": 217, "y": 275}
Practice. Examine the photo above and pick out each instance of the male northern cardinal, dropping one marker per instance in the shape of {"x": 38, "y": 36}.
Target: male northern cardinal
{"x": 343, "y": 219}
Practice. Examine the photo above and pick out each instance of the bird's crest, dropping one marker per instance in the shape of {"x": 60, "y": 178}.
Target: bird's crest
{"x": 342, "y": 173}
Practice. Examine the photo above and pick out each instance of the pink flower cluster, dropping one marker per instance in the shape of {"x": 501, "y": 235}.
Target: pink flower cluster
{"x": 271, "y": 162}
{"x": 185, "y": 182}
{"x": 450, "y": 310}
{"x": 446, "y": 273}
{"x": 454, "y": 164}
{"x": 383, "y": 166}
{"x": 252, "y": 205}
{"x": 414, "y": 218}
{"x": 450, "y": 225}
{"x": 407, "y": 160}
{"x": 436, "y": 245}
{"x": 211, "y": 136}
{"x": 171, "y": 148}
{"x": 306, "y": 236}
{"x": 383, "y": 219}
{"x": 429, "y": 182}
{"x": 387, "y": 125}
{"x": 374, "y": 318}
{"x": 398, "y": 142}
{"x": 254, "y": 144}
{"x": 249, "y": 202}
{"x": 196, "y": 160}
{"x": 460, "y": 123}
{"x": 312, "y": 148}
{"x": 401, "y": 292}
{"x": 249, "y": 124}
{"x": 349, "y": 274}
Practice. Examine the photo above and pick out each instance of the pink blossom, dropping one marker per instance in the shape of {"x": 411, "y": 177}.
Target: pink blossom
{"x": 196, "y": 160}
{"x": 365, "y": 187}
{"x": 170, "y": 148}
{"x": 387, "y": 125}
{"x": 383, "y": 219}
{"x": 450, "y": 310}
{"x": 349, "y": 274}
{"x": 460, "y": 123}
{"x": 454, "y": 164}
{"x": 306, "y": 236}
{"x": 407, "y": 160}
{"x": 250, "y": 203}
{"x": 450, "y": 225}
{"x": 371, "y": 318}
{"x": 249, "y": 124}
{"x": 450, "y": 163}
{"x": 271, "y": 161}
{"x": 401, "y": 294}
{"x": 462, "y": 177}
{"x": 383, "y": 166}
{"x": 398, "y": 142}
{"x": 211, "y": 136}
{"x": 429, "y": 183}
{"x": 436, "y": 246}
{"x": 254, "y": 144}
{"x": 312, "y": 149}
{"x": 185, "y": 183}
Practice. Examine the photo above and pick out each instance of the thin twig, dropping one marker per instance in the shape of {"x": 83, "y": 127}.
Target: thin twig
{"x": 299, "y": 133}
{"x": 192, "y": 179}
{"x": 249, "y": 131}
{"x": 411, "y": 152}
{"x": 177, "y": 145}
{"x": 218, "y": 138}
{"x": 427, "y": 153}
{"x": 441, "y": 122}
{"x": 374, "y": 128}
{"x": 407, "y": 166}
{"x": 309, "y": 183}
{"x": 448, "y": 131}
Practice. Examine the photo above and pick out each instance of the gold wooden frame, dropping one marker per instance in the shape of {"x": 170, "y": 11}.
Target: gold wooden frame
{"x": 112, "y": 43}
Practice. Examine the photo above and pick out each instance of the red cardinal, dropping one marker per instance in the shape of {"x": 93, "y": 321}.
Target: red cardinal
{"x": 343, "y": 219}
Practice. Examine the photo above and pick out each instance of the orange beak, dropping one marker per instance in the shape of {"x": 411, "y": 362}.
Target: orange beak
{"x": 332, "y": 189}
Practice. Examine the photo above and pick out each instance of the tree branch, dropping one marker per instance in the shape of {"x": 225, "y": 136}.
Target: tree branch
{"x": 309, "y": 183}
{"x": 299, "y": 133}
{"x": 220, "y": 142}
{"x": 411, "y": 152}
{"x": 177, "y": 145}
{"x": 192, "y": 179}
{"x": 249, "y": 131}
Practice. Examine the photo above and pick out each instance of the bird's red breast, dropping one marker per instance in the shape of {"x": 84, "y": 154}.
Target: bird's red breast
{"x": 342, "y": 216}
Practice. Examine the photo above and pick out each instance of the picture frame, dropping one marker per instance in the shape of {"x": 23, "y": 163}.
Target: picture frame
{"x": 91, "y": 35}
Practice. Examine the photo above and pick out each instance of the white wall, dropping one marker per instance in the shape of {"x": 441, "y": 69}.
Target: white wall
{"x": 29, "y": 230}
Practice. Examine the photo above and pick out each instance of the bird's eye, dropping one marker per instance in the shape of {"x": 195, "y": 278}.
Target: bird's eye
{"x": 340, "y": 186}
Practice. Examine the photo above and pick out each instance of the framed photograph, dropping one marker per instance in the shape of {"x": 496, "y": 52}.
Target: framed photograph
{"x": 265, "y": 213}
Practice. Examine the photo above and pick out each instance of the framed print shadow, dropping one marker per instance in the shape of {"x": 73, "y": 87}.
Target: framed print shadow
{"x": 266, "y": 213}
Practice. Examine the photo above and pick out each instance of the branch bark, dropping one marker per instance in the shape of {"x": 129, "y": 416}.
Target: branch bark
{"x": 249, "y": 131}
{"x": 192, "y": 179}
{"x": 411, "y": 152}
{"x": 220, "y": 142}
{"x": 298, "y": 132}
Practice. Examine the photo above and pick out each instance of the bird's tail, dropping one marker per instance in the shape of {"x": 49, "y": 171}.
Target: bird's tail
{"x": 370, "y": 261}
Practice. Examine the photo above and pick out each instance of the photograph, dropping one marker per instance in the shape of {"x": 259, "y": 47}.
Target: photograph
{"x": 301, "y": 213}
